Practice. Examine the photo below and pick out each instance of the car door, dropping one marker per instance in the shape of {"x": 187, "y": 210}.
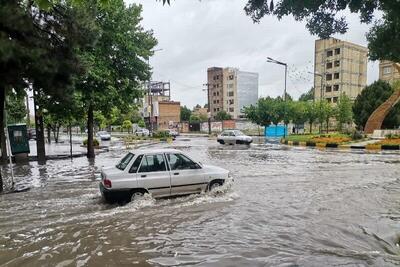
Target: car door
{"x": 230, "y": 137}
{"x": 154, "y": 176}
{"x": 186, "y": 175}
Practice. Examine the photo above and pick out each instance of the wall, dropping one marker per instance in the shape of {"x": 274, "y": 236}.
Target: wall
{"x": 169, "y": 114}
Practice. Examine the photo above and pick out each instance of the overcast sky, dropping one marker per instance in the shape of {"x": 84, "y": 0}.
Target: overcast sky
{"x": 195, "y": 35}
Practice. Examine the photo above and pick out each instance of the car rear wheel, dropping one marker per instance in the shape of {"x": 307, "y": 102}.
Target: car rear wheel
{"x": 221, "y": 142}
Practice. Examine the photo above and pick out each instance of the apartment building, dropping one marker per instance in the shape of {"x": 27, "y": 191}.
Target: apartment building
{"x": 231, "y": 90}
{"x": 387, "y": 72}
{"x": 340, "y": 67}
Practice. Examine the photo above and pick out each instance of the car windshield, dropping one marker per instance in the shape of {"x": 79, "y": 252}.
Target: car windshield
{"x": 238, "y": 133}
{"x": 124, "y": 161}
{"x": 102, "y": 132}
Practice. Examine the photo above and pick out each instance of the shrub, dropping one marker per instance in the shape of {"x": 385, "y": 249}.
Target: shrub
{"x": 95, "y": 142}
{"x": 357, "y": 135}
{"x": 161, "y": 134}
{"x": 392, "y": 136}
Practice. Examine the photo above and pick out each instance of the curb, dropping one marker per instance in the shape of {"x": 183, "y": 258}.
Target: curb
{"x": 335, "y": 145}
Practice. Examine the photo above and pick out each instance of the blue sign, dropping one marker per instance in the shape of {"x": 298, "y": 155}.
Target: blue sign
{"x": 275, "y": 131}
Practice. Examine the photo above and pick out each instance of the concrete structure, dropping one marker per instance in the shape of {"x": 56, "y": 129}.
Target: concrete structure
{"x": 343, "y": 67}
{"x": 387, "y": 72}
{"x": 231, "y": 90}
{"x": 200, "y": 111}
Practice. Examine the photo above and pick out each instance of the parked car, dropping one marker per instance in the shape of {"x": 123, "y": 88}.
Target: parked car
{"x": 142, "y": 132}
{"x": 103, "y": 135}
{"x": 161, "y": 172}
{"x": 32, "y": 134}
{"x": 172, "y": 132}
{"x": 234, "y": 137}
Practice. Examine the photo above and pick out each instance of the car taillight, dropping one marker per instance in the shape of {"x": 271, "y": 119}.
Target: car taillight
{"x": 107, "y": 183}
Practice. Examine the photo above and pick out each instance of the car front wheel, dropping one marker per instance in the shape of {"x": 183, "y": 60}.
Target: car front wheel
{"x": 136, "y": 195}
{"x": 215, "y": 184}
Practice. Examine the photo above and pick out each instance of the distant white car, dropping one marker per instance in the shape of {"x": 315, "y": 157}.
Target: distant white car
{"x": 234, "y": 137}
{"x": 103, "y": 135}
{"x": 173, "y": 133}
{"x": 160, "y": 172}
{"x": 142, "y": 132}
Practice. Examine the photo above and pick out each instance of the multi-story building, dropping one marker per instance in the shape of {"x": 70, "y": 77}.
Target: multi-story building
{"x": 387, "y": 72}
{"x": 231, "y": 90}
{"x": 342, "y": 66}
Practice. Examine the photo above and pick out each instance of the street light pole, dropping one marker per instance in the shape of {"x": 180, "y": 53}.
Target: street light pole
{"x": 271, "y": 60}
{"x": 208, "y": 107}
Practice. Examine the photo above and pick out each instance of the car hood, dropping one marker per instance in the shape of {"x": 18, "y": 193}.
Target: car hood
{"x": 215, "y": 169}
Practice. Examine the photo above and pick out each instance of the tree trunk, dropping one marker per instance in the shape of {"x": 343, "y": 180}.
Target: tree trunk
{"x": 70, "y": 139}
{"x": 311, "y": 127}
{"x": 90, "y": 147}
{"x": 48, "y": 134}
{"x": 2, "y": 126}
{"x": 40, "y": 146}
{"x": 327, "y": 126}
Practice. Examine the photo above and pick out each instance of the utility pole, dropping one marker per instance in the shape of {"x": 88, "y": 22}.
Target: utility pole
{"x": 208, "y": 107}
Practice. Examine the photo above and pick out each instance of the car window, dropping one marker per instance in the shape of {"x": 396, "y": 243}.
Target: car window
{"x": 225, "y": 134}
{"x": 153, "y": 163}
{"x": 124, "y": 161}
{"x": 239, "y": 133}
{"x": 231, "y": 133}
{"x": 135, "y": 166}
{"x": 181, "y": 162}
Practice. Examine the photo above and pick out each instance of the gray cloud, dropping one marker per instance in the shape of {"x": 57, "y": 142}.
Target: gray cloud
{"x": 195, "y": 35}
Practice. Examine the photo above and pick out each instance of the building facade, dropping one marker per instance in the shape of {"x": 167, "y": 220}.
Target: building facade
{"x": 231, "y": 90}
{"x": 340, "y": 67}
{"x": 387, "y": 72}
{"x": 168, "y": 114}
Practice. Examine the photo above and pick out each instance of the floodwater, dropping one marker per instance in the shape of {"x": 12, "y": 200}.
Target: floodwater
{"x": 288, "y": 206}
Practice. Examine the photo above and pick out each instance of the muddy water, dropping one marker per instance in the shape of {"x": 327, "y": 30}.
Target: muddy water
{"x": 287, "y": 207}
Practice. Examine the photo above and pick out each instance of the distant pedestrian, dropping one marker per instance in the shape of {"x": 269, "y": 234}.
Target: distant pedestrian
{"x": 294, "y": 129}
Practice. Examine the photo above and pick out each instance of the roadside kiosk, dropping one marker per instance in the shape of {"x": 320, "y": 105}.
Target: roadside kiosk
{"x": 19, "y": 141}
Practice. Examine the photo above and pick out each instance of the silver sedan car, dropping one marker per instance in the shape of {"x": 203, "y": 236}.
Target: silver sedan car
{"x": 234, "y": 137}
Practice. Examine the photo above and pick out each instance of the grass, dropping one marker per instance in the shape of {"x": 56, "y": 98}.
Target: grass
{"x": 389, "y": 141}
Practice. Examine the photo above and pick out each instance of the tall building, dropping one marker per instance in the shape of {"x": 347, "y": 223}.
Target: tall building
{"x": 387, "y": 72}
{"x": 342, "y": 66}
{"x": 231, "y": 90}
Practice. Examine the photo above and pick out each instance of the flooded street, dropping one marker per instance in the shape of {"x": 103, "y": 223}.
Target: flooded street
{"x": 288, "y": 206}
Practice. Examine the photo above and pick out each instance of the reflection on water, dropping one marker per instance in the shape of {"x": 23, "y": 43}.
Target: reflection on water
{"x": 286, "y": 207}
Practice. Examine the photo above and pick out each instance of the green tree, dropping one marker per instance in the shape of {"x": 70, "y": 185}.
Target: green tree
{"x": 325, "y": 112}
{"x": 203, "y": 117}
{"x": 307, "y": 96}
{"x": 311, "y": 110}
{"x": 222, "y": 116}
{"x": 370, "y": 99}
{"x": 117, "y": 65}
{"x": 100, "y": 120}
{"x": 141, "y": 123}
{"x": 344, "y": 113}
{"x": 299, "y": 112}
{"x": 127, "y": 124}
{"x": 185, "y": 114}
{"x": 261, "y": 113}
{"x": 194, "y": 118}
{"x": 325, "y": 18}
{"x": 16, "y": 110}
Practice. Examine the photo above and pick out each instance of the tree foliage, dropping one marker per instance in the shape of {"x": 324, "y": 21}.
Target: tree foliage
{"x": 326, "y": 18}
{"x": 223, "y": 115}
{"x": 344, "y": 113}
{"x": 308, "y": 96}
{"x": 370, "y": 99}
{"x": 15, "y": 104}
{"x": 185, "y": 113}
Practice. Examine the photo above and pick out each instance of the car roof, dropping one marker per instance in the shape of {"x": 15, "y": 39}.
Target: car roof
{"x": 154, "y": 150}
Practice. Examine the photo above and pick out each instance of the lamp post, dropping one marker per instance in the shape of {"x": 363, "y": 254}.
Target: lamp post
{"x": 271, "y": 60}
{"x": 150, "y": 97}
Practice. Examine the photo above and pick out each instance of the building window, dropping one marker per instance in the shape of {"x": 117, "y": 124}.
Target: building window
{"x": 387, "y": 70}
{"x": 337, "y": 51}
{"x": 231, "y": 110}
{"x": 329, "y": 53}
{"x": 336, "y": 87}
{"x": 230, "y": 77}
{"x": 329, "y": 65}
{"x": 231, "y": 101}
{"x": 215, "y": 110}
{"x": 336, "y": 75}
{"x": 328, "y": 88}
{"x": 230, "y": 93}
{"x": 334, "y": 100}
{"x": 218, "y": 109}
{"x": 337, "y": 63}
{"x": 214, "y": 102}
{"x": 217, "y": 93}
{"x": 217, "y": 101}
{"x": 328, "y": 99}
{"x": 329, "y": 77}
{"x": 214, "y": 94}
